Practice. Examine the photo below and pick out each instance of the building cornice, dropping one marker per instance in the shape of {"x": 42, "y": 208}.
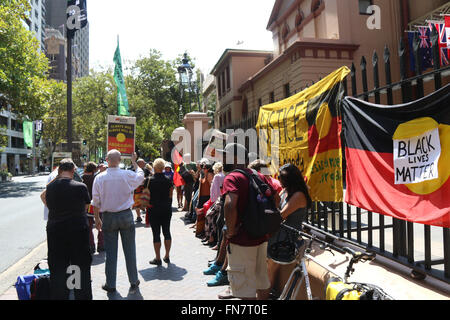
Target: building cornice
{"x": 301, "y": 47}
{"x": 228, "y": 53}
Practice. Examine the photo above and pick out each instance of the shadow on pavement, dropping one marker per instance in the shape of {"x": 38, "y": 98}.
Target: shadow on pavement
{"x": 136, "y": 295}
{"x": 19, "y": 190}
{"x": 172, "y": 273}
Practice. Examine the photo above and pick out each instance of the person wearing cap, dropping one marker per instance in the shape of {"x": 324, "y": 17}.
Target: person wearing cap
{"x": 168, "y": 172}
{"x": 247, "y": 256}
{"x": 112, "y": 195}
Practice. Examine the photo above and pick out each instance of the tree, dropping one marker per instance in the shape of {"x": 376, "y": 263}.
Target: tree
{"x": 152, "y": 89}
{"x": 22, "y": 67}
{"x": 94, "y": 98}
{"x": 3, "y": 138}
{"x": 55, "y": 118}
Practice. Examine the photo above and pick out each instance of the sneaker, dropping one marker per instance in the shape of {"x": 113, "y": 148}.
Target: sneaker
{"x": 108, "y": 289}
{"x": 212, "y": 270}
{"x": 221, "y": 279}
{"x": 134, "y": 287}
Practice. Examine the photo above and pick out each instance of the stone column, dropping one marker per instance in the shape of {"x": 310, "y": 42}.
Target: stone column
{"x": 196, "y": 123}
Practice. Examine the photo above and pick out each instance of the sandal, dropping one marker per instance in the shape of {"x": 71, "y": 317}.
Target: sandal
{"x": 156, "y": 262}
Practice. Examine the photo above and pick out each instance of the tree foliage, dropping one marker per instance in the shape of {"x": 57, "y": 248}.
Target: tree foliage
{"x": 152, "y": 90}
{"x": 23, "y": 67}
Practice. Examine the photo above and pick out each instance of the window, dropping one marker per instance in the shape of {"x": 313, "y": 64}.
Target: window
{"x": 245, "y": 108}
{"x": 363, "y": 5}
{"x": 219, "y": 86}
{"x": 3, "y": 121}
{"x": 272, "y": 97}
{"x": 228, "y": 78}
{"x": 223, "y": 82}
{"x": 315, "y": 5}
{"x": 300, "y": 18}
{"x": 287, "y": 90}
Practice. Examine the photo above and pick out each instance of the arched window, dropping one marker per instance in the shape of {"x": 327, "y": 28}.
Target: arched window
{"x": 285, "y": 32}
{"x": 299, "y": 19}
{"x": 244, "y": 108}
{"x": 315, "y": 5}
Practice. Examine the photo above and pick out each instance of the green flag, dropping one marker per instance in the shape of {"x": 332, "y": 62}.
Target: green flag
{"x": 122, "y": 100}
{"x": 28, "y": 133}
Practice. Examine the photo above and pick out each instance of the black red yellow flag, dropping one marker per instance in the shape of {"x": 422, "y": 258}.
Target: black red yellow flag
{"x": 398, "y": 158}
{"x": 308, "y": 126}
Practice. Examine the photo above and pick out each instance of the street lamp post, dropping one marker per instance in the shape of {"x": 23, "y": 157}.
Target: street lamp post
{"x": 186, "y": 73}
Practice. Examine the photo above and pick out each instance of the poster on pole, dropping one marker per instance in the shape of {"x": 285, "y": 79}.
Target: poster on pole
{"x": 58, "y": 156}
{"x": 122, "y": 135}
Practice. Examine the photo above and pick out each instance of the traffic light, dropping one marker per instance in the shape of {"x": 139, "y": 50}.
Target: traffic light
{"x": 84, "y": 157}
{"x": 84, "y": 142}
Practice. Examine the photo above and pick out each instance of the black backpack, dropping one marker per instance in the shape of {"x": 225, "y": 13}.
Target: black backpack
{"x": 187, "y": 177}
{"x": 261, "y": 216}
{"x": 40, "y": 288}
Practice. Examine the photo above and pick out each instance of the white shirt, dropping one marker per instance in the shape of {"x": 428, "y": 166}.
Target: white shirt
{"x": 51, "y": 177}
{"x": 113, "y": 189}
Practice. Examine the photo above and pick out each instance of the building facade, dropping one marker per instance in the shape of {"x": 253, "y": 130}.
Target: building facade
{"x": 15, "y": 155}
{"x": 56, "y": 51}
{"x": 312, "y": 38}
{"x": 230, "y": 72}
{"x": 56, "y": 19}
{"x": 36, "y": 21}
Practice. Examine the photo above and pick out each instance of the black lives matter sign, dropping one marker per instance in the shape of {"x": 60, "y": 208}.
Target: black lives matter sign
{"x": 416, "y": 158}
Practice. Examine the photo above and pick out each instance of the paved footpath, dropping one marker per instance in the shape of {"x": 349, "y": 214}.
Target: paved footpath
{"x": 182, "y": 279}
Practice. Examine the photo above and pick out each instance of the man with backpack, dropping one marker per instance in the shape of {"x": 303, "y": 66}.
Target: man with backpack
{"x": 247, "y": 196}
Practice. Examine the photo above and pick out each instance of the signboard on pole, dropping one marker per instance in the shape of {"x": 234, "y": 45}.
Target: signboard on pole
{"x": 58, "y": 156}
{"x": 122, "y": 135}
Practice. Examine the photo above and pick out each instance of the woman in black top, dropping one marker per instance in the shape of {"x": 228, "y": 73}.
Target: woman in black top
{"x": 160, "y": 211}
{"x": 68, "y": 234}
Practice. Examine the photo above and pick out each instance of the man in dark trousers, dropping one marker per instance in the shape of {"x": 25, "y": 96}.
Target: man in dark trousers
{"x": 68, "y": 235}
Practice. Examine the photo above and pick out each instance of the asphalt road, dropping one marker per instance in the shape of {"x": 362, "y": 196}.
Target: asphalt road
{"x": 22, "y": 224}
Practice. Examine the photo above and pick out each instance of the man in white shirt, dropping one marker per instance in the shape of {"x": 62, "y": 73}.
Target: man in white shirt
{"x": 112, "y": 195}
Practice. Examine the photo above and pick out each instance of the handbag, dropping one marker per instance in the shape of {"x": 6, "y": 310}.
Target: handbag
{"x": 283, "y": 251}
{"x": 144, "y": 198}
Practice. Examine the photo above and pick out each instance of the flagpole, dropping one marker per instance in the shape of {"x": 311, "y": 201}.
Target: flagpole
{"x": 69, "y": 92}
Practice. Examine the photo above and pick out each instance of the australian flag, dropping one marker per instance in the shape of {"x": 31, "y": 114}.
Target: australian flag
{"x": 425, "y": 48}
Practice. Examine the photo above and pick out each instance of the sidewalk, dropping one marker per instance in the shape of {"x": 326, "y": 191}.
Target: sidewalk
{"x": 183, "y": 279}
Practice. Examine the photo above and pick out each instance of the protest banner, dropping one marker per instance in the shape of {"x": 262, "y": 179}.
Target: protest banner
{"x": 398, "y": 158}
{"x": 121, "y": 135}
{"x": 308, "y": 127}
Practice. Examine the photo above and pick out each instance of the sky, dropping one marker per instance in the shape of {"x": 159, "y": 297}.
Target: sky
{"x": 203, "y": 28}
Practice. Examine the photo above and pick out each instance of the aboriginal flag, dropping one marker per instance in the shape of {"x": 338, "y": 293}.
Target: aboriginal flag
{"x": 398, "y": 158}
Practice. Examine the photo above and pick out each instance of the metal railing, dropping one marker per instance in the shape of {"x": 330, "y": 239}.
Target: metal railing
{"x": 419, "y": 247}
{"x": 424, "y": 250}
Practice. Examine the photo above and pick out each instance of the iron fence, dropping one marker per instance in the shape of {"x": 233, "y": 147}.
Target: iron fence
{"x": 424, "y": 251}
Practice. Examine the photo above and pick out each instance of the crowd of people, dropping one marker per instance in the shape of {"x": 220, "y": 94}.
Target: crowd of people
{"x": 214, "y": 196}
{"x": 220, "y": 196}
